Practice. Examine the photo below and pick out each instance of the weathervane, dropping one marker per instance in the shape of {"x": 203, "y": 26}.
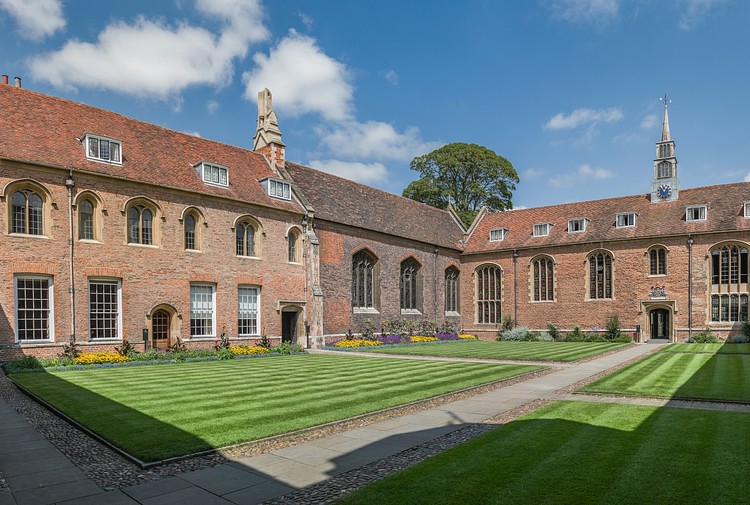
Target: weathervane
{"x": 665, "y": 100}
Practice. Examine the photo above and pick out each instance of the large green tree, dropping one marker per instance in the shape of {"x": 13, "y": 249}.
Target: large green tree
{"x": 470, "y": 175}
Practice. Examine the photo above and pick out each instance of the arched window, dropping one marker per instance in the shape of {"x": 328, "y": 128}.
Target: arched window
{"x": 245, "y": 235}
{"x": 600, "y": 276}
{"x": 294, "y": 249}
{"x": 86, "y": 220}
{"x": 27, "y": 212}
{"x": 410, "y": 285}
{"x": 140, "y": 225}
{"x": 451, "y": 290}
{"x": 657, "y": 261}
{"x": 489, "y": 294}
{"x": 664, "y": 170}
{"x": 364, "y": 281}
{"x": 729, "y": 283}
{"x": 189, "y": 223}
{"x": 544, "y": 279}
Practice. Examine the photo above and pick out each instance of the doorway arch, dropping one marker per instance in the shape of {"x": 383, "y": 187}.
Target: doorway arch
{"x": 660, "y": 324}
{"x": 163, "y": 323}
{"x": 291, "y": 323}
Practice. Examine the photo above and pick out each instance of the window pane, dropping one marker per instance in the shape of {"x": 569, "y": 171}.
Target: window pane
{"x": 248, "y": 311}
{"x": 201, "y": 310}
{"x": 33, "y": 312}
{"x": 103, "y": 309}
{"x": 86, "y": 220}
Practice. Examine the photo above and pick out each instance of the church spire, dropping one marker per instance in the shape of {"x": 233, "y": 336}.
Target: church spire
{"x": 665, "y": 135}
{"x": 665, "y": 186}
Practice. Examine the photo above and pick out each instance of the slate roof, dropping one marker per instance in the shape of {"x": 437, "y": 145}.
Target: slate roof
{"x": 725, "y": 214}
{"x": 38, "y": 128}
{"x": 340, "y": 200}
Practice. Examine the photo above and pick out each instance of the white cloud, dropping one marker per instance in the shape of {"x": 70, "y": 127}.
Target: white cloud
{"x": 533, "y": 173}
{"x": 649, "y": 121}
{"x": 596, "y": 173}
{"x": 306, "y": 20}
{"x": 392, "y": 77}
{"x": 695, "y": 11}
{"x": 36, "y": 18}
{"x": 365, "y": 173}
{"x": 747, "y": 177}
{"x": 194, "y": 133}
{"x": 303, "y": 79}
{"x": 593, "y": 12}
{"x": 124, "y": 59}
{"x": 373, "y": 139}
{"x": 583, "y": 117}
{"x": 562, "y": 181}
{"x": 212, "y": 106}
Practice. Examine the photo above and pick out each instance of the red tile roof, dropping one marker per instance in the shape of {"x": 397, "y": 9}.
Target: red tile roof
{"x": 343, "y": 201}
{"x": 725, "y": 213}
{"x": 38, "y": 128}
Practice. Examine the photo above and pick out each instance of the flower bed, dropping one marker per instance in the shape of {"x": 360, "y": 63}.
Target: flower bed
{"x": 94, "y": 358}
{"x": 418, "y": 339}
{"x": 467, "y": 336}
{"x": 348, "y": 344}
{"x": 249, "y": 350}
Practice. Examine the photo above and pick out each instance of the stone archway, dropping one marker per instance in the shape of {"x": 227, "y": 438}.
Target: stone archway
{"x": 164, "y": 326}
{"x": 658, "y": 320}
{"x": 292, "y": 323}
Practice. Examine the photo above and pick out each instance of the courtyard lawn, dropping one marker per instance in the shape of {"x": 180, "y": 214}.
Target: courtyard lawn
{"x": 689, "y": 375}
{"x": 531, "y": 351}
{"x": 161, "y": 411}
{"x": 585, "y": 453}
{"x": 720, "y": 348}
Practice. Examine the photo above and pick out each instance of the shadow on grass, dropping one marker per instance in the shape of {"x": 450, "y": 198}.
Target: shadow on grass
{"x": 119, "y": 426}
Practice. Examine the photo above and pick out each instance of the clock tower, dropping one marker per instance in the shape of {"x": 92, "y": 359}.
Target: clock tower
{"x": 665, "y": 186}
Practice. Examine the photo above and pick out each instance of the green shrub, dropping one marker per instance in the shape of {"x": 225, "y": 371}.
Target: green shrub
{"x": 70, "y": 351}
{"x": 738, "y": 339}
{"x": 554, "y": 332}
{"x": 286, "y": 348}
{"x": 597, "y": 337}
{"x": 126, "y": 349}
{"x": 264, "y": 341}
{"x": 508, "y": 323}
{"x": 623, "y": 338}
{"x": 25, "y": 363}
{"x": 577, "y": 335}
{"x": 703, "y": 337}
{"x": 545, "y": 336}
{"x": 613, "y": 327}
{"x": 224, "y": 354}
{"x": 367, "y": 330}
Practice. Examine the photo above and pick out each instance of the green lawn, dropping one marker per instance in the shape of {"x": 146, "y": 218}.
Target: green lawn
{"x": 703, "y": 375}
{"x": 709, "y": 348}
{"x": 585, "y": 453}
{"x": 156, "y": 412}
{"x": 532, "y": 351}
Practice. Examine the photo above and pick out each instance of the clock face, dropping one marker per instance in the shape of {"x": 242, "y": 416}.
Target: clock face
{"x": 664, "y": 191}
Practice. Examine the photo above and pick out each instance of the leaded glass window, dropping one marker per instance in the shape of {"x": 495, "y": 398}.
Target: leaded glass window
{"x": 489, "y": 294}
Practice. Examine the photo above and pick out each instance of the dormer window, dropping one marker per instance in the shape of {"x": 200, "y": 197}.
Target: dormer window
{"x": 215, "y": 174}
{"x": 103, "y": 149}
{"x": 696, "y": 213}
{"x": 577, "y": 225}
{"x": 279, "y": 189}
{"x": 498, "y": 234}
{"x": 626, "y": 220}
{"x": 746, "y": 207}
{"x": 542, "y": 229}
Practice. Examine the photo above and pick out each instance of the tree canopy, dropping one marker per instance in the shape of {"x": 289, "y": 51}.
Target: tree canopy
{"x": 469, "y": 176}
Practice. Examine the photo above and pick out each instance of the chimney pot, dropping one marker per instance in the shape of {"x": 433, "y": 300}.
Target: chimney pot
{"x": 5, "y": 79}
{"x": 18, "y": 82}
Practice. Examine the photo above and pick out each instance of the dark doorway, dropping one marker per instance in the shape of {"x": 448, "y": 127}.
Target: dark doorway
{"x": 289, "y": 326}
{"x": 660, "y": 323}
{"x": 160, "y": 329}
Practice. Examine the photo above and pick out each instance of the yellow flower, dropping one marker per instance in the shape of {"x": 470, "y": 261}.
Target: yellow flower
{"x": 467, "y": 336}
{"x": 92, "y": 358}
{"x": 356, "y": 343}
{"x": 422, "y": 338}
{"x": 248, "y": 350}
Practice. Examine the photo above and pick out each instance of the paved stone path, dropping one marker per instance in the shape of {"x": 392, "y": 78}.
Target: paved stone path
{"x": 35, "y": 472}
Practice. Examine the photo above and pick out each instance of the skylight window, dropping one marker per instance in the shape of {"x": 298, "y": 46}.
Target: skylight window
{"x": 103, "y": 149}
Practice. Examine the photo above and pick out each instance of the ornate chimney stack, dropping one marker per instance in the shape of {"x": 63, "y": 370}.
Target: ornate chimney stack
{"x": 267, "y": 139}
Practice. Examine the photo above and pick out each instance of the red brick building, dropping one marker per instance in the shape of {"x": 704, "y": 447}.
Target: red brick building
{"x": 116, "y": 229}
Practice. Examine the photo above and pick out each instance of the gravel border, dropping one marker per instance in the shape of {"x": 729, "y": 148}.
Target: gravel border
{"x": 109, "y": 470}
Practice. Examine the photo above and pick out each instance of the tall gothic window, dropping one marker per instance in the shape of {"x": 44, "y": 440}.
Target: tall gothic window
{"x": 451, "y": 290}
{"x": 190, "y": 232}
{"x": 140, "y": 225}
{"x": 245, "y": 239}
{"x": 544, "y": 279}
{"x": 489, "y": 294}
{"x": 26, "y": 213}
{"x": 664, "y": 170}
{"x": 364, "y": 281}
{"x": 657, "y": 261}
{"x": 410, "y": 285}
{"x": 86, "y": 220}
{"x": 600, "y": 276}
{"x": 729, "y": 283}
{"x": 294, "y": 251}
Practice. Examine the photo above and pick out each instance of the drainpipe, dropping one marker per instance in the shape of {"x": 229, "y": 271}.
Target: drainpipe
{"x": 70, "y": 184}
{"x": 434, "y": 286}
{"x": 690, "y": 285}
{"x": 515, "y": 287}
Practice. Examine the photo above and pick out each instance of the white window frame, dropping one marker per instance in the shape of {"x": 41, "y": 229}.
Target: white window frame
{"x": 746, "y": 206}
{"x": 87, "y": 145}
{"x": 110, "y": 281}
{"x": 50, "y": 310}
{"x": 624, "y": 217}
{"x": 248, "y": 287}
{"x": 583, "y": 225}
{"x": 213, "y": 308}
{"x": 207, "y": 171}
{"x": 702, "y": 211}
{"x": 498, "y": 234}
{"x": 279, "y": 189}
{"x": 542, "y": 229}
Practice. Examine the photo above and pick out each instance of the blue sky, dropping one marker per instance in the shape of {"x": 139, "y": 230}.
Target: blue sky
{"x": 567, "y": 90}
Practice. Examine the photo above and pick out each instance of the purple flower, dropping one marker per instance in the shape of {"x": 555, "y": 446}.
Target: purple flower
{"x": 447, "y": 336}
{"x": 390, "y": 339}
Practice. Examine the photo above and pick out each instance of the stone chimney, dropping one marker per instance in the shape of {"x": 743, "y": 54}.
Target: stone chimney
{"x": 267, "y": 139}
{"x": 18, "y": 82}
